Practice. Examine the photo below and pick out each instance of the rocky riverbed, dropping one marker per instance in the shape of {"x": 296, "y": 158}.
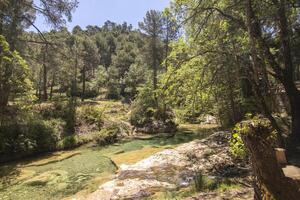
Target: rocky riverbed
{"x": 174, "y": 169}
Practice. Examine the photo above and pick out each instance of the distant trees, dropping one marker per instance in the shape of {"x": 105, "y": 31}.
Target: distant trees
{"x": 17, "y": 15}
{"x": 86, "y": 62}
{"x": 90, "y": 63}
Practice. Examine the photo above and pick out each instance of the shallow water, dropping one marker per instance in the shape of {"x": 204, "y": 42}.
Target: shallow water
{"x": 63, "y": 174}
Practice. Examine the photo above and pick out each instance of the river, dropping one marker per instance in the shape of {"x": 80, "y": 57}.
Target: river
{"x": 63, "y": 174}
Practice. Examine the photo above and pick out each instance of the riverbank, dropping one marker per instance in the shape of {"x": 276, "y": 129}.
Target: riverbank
{"x": 80, "y": 171}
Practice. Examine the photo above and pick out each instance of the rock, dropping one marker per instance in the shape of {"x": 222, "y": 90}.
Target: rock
{"x": 209, "y": 119}
{"x": 169, "y": 169}
{"x": 158, "y": 126}
{"x": 48, "y": 178}
{"x": 130, "y": 189}
{"x": 119, "y": 152}
{"x": 167, "y": 166}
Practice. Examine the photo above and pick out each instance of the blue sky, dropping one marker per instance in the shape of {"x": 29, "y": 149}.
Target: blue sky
{"x": 96, "y": 12}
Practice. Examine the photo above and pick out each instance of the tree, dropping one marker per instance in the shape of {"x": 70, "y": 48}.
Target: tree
{"x": 17, "y": 15}
{"x": 170, "y": 31}
{"x": 90, "y": 62}
{"x": 266, "y": 33}
{"x": 283, "y": 69}
{"x": 14, "y": 74}
{"x": 153, "y": 27}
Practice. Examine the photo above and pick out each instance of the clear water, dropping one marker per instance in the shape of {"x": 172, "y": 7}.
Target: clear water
{"x": 58, "y": 180}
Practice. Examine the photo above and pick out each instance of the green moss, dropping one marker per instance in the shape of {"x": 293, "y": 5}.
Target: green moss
{"x": 227, "y": 186}
{"x": 255, "y": 127}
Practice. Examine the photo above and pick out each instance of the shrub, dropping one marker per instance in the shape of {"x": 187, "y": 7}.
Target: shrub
{"x": 46, "y": 134}
{"x": 204, "y": 183}
{"x": 23, "y": 138}
{"x": 113, "y": 92}
{"x": 51, "y": 110}
{"x": 91, "y": 94}
{"x": 150, "y": 117}
{"x": 108, "y": 135}
{"x": 237, "y": 147}
{"x": 92, "y": 115}
{"x": 68, "y": 142}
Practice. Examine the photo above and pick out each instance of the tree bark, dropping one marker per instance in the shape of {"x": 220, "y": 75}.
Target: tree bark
{"x": 254, "y": 32}
{"x": 270, "y": 177}
{"x": 52, "y": 85}
{"x": 154, "y": 66}
{"x": 288, "y": 72}
{"x": 83, "y": 82}
{"x": 284, "y": 75}
{"x": 45, "y": 75}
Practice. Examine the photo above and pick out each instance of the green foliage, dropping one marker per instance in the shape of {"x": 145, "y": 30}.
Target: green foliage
{"x": 69, "y": 142}
{"x": 14, "y": 73}
{"x": 143, "y": 108}
{"x": 26, "y": 137}
{"x": 108, "y": 135}
{"x": 134, "y": 78}
{"x": 254, "y": 125}
{"x": 146, "y": 113}
{"x": 70, "y": 116}
{"x": 204, "y": 183}
{"x": 92, "y": 115}
{"x": 237, "y": 147}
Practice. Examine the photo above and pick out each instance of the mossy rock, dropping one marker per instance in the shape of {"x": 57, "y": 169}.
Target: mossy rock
{"x": 48, "y": 178}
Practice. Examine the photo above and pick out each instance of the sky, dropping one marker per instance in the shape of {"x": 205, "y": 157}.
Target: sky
{"x": 96, "y": 12}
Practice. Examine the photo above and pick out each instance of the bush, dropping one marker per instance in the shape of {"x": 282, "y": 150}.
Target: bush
{"x": 204, "y": 183}
{"x": 18, "y": 139}
{"x": 46, "y": 134}
{"x": 108, "y": 135}
{"x": 91, "y": 94}
{"x": 237, "y": 147}
{"x": 91, "y": 115}
{"x": 113, "y": 92}
{"x": 51, "y": 110}
{"x": 149, "y": 117}
{"x": 68, "y": 142}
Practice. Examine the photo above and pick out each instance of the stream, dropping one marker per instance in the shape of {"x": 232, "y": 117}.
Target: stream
{"x": 63, "y": 174}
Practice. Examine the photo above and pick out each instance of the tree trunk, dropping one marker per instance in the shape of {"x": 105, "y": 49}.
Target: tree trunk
{"x": 288, "y": 72}
{"x": 255, "y": 32}
{"x": 270, "y": 177}
{"x": 13, "y": 32}
{"x": 294, "y": 99}
{"x": 45, "y": 75}
{"x": 74, "y": 86}
{"x": 52, "y": 85}
{"x": 83, "y": 83}
{"x": 167, "y": 44}
{"x": 154, "y": 66}
{"x": 4, "y": 96}
{"x": 39, "y": 86}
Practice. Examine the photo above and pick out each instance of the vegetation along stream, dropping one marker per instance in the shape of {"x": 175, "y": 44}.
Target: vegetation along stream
{"x": 63, "y": 174}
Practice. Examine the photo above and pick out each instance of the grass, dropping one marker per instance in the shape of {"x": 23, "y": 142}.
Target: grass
{"x": 209, "y": 185}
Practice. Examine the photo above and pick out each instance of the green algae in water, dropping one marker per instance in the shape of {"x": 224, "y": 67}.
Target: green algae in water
{"x": 67, "y": 177}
